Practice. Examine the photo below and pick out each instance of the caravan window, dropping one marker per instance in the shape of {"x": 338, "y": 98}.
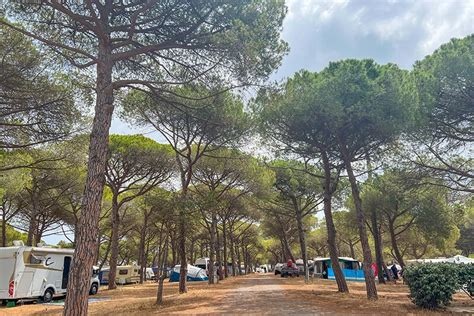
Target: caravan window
{"x": 123, "y": 272}
{"x": 35, "y": 259}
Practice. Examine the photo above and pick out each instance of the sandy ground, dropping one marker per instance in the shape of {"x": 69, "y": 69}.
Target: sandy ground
{"x": 254, "y": 294}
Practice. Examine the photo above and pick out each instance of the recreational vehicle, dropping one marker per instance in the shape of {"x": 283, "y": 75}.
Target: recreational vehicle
{"x": 203, "y": 263}
{"x": 351, "y": 268}
{"x": 125, "y": 275}
{"x": 36, "y": 272}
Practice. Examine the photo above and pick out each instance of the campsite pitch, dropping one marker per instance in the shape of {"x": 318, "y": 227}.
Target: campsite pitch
{"x": 253, "y": 294}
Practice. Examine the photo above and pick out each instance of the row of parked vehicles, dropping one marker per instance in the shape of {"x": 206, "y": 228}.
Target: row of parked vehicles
{"x": 41, "y": 273}
{"x": 37, "y": 273}
{"x": 322, "y": 267}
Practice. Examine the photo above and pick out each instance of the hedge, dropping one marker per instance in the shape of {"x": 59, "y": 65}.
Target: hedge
{"x": 432, "y": 285}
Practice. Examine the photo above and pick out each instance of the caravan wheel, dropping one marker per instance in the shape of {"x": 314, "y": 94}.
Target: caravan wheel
{"x": 94, "y": 289}
{"x": 48, "y": 296}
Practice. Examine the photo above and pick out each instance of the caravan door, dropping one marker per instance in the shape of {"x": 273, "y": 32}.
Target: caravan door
{"x": 66, "y": 268}
{"x": 23, "y": 284}
{"x": 7, "y": 264}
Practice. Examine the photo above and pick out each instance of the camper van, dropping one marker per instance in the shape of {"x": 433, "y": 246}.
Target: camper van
{"x": 36, "y": 272}
{"x": 351, "y": 268}
{"x": 203, "y": 263}
{"x": 125, "y": 275}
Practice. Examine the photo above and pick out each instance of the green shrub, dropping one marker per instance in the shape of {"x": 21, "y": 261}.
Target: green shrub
{"x": 466, "y": 277}
{"x": 432, "y": 284}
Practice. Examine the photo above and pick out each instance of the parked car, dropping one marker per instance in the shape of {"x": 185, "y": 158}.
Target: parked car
{"x": 278, "y": 268}
{"x": 289, "y": 272}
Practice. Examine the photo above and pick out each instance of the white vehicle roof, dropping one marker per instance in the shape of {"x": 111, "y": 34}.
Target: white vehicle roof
{"x": 340, "y": 258}
{"x": 7, "y": 250}
{"x": 456, "y": 259}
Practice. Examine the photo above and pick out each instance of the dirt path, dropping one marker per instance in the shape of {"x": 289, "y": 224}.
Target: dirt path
{"x": 262, "y": 294}
{"x": 256, "y": 294}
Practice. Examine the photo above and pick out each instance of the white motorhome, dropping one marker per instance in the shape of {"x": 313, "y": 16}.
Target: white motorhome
{"x": 203, "y": 263}
{"x": 125, "y": 275}
{"x": 36, "y": 272}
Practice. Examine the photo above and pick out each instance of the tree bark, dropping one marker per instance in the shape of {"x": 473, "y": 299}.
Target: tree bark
{"x": 302, "y": 239}
{"x": 351, "y": 248}
{"x": 162, "y": 273}
{"x": 141, "y": 249}
{"x": 173, "y": 251}
{"x": 239, "y": 258}
{"x": 378, "y": 246}
{"x": 192, "y": 251}
{"x": 220, "y": 275}
{"x": 183, "y": 271}
{"x": 367, "y": 254}
{"x": 232, "y": 253}
{"x": 114, "y": 243}
{"x": 393, "y": 239}
{"x": 375, "y": 230}
{"x": 212, "y": 251}
{"x": 285, "y": 242}
{"x": 79, "y": 282}
{"x": 29, "y": 238}
{"x": 4, "y": 232}
{"x": 224, "y": 242}
{"x": 245, "y": 257}
{"x": 333, "y": 252}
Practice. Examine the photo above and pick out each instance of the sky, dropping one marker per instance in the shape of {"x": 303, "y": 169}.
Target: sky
{"x": 396, "y": 31}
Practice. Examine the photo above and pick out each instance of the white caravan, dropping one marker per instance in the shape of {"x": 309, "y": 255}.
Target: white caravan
{"x": 203, "y": 263}
{"x": 36, "y": 272}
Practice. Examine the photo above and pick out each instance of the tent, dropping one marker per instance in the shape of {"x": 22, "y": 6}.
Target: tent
{"x": 194, "y": 274}
{"x": 456, "y": 259}
{"x": 460, "y": 259}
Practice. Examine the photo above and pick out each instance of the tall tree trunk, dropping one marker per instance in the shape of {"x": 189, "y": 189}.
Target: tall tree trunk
{"x": 173, "y": 251}
{"x": 224, "y": 242}
{"x": 4, "y": 232}
{"x": 31, "y": 232}
{"x": 287, "y": 247}
{"x": 331, "y": 229}
{"x": 192, "y": 251}
{"x": 245, "y": 257}
{"x": 79, "y": 281}
{"x": 107, "y": 251}
{"x": 162, "y": 273}
{"x": 378, "y": 245}
{"x": 284, "y": 257}
{"x": 302, "y": 239}
{"x": 364, "y": 240}
{"x": 141, "y": 248}
{"x": 219, "y": 255}
{"x": 212, "y": 251}
{"x": 375, "y": 230}
{"x": 351, "y": 248}
{"x": 183, "y": 271}
{"x": 114, "y": 242}
{"x": 239, "y": 258}
{"x": 393, "y": 239}
{"x": 232, "y": 252}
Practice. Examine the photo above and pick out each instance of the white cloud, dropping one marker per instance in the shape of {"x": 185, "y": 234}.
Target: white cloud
{"x": 444, "y": 21}
{"x": 399, "y": 31}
